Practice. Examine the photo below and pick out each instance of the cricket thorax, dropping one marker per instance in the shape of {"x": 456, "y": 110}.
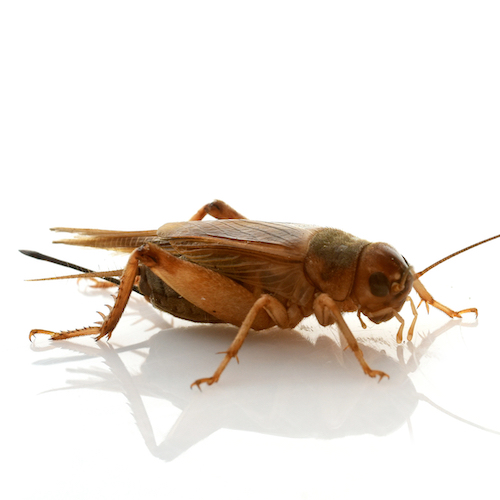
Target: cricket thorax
{"x": 330, "y": 262}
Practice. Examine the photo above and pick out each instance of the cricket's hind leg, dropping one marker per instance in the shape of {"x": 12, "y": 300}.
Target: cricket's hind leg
{"x": 109, "y": 322}
{"x": 166, "y": 299}
{"x": 223, "y": 299}
{"x": 217, "y": 209}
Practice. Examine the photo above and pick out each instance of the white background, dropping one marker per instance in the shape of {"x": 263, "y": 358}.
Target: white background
{"x": 379, "y": 118}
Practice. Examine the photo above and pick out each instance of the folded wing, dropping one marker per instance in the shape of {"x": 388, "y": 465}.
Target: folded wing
{"x": 266, "y": 256}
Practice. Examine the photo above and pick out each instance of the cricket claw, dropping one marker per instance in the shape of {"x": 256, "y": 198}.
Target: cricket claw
{"x": 471, "y": 310}
{"x": 377, "y": 373}
{"x": 208, "y": 381}
{"x": 45, "y": 332}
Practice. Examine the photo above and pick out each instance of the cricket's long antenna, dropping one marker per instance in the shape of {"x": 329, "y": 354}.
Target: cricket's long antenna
{"x": 41, "y": 256}
{"x": 421, "y": 273}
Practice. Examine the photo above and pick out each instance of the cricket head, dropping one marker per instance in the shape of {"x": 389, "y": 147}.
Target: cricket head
{"x": 382, "y": 283}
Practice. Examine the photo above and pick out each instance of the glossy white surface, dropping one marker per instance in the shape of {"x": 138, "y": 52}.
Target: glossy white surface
{"x": 377, "y": 118}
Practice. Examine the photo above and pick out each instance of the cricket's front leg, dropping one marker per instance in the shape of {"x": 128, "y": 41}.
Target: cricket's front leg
{"x": 327, "y": 312}
{"x": 426, "y": 297}
{"x": 109, "y": 322}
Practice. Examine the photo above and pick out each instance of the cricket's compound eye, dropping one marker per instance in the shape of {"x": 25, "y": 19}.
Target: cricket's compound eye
{"x": 379, "y": 284}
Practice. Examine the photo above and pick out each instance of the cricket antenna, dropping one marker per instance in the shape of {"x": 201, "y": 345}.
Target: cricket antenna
{"x": 421, "y": 273}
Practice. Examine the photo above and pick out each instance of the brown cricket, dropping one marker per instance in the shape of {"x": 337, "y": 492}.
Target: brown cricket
{"x": 256, "y": 275}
